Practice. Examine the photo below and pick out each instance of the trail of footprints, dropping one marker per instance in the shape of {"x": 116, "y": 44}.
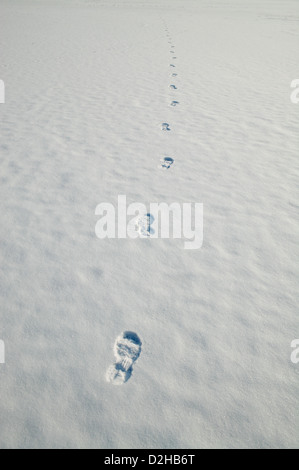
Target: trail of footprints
{"x": 167, "y": 162}
{"x": 127, "y": 347}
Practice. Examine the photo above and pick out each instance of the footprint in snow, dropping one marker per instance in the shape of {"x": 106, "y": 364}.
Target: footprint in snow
{"x": 127, "y": 349}
{"x": 174, "y": 75}
{"x": 165, "y": 126}
{"x": 143, "y": 226}
{"x": 174, "y": 103}
{"x": 171, "y": 65}
{"x": 173, "y": 87}
{"x": 166, "y": 162}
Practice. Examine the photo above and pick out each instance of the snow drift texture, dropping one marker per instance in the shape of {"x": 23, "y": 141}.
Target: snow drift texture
{"x": 87, "y": 89}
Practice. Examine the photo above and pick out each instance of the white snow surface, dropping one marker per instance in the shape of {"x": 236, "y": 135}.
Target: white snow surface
{"x": 87, "y": 89}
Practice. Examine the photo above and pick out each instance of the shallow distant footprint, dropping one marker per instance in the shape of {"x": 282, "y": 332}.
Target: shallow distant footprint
{"x": 174, "y": 103}
{"x": 127, "y": 349}
{"x": 171, "y": 65}
{"x": 166, "y": 162}
{"x": 173, "y": 87}
{"x": 165, "y": 126}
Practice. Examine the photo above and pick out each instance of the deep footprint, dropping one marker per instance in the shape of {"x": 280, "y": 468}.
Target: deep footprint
{"x": 165, "y": 126}
{"x": 166, "y": 162}
{"x": 127, "y": 349}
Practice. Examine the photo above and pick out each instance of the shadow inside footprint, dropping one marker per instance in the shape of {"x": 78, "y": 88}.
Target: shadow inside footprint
{"x": 127, "y": 349}
{"x": 174, "y": 103}
{"x": 173, "y": 87}
{"x": 131, "y": 336}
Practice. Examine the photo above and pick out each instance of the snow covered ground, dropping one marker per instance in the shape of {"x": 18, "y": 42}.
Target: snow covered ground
{"x": 87, "y": 89}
